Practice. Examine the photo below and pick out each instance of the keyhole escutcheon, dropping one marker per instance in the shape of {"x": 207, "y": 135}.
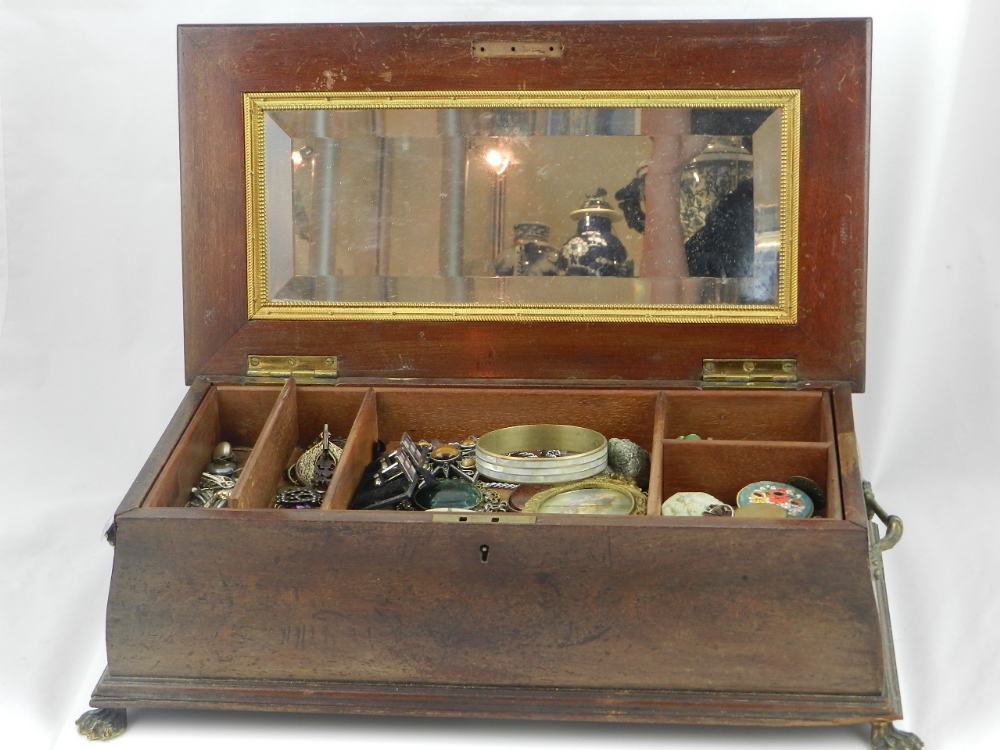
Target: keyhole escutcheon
{"x": 484, "y": 552}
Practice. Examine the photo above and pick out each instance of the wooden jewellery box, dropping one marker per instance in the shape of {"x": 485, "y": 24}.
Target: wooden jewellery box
{"x": 645, "y": 229}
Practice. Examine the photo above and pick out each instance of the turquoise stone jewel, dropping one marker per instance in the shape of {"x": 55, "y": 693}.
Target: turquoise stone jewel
{"x": 448, "y": 493}
{"x": 795, "y": 502}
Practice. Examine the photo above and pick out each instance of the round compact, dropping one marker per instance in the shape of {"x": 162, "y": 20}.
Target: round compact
{"x": 606, "y": 497}
{"x": 541, "y": 454}
{"x": 795, "y": 502}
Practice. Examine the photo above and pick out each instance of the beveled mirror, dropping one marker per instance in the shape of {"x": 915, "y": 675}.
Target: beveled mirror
{"x": 646, "y": 206}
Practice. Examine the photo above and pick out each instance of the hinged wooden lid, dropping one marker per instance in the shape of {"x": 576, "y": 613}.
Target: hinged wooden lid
{"x": 826, "y": 62}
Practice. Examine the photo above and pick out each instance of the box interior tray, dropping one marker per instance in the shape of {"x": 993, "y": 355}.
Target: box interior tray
{"x": 748, "y": 436}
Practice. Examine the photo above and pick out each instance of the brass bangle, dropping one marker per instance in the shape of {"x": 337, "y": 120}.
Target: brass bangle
{"x": 582, "y": 453}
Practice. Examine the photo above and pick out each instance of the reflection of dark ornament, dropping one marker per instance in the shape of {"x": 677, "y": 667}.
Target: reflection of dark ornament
{"x": 594, "y": 250}
{"x": 632, "y": 201}
{"x": 532, "y": 254}
{"x": 724, "y": 246}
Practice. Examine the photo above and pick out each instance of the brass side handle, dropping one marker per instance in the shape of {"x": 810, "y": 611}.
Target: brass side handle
{"x": 893, "y": 524}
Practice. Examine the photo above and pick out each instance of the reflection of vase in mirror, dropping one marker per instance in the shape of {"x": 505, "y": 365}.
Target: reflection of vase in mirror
{"x": 532, "y": 254}
{"x": 714, "y": 173}
{"x": 716, "y": 209}
{"x": 595, "y": 250}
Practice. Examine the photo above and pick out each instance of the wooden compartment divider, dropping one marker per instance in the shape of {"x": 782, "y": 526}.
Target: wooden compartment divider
{"x": 357, "y": 455}
{"x": 655, "y": 494}
{"x": 262, "y": 471}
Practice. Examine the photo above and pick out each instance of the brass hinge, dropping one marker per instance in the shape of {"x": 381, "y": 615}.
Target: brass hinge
{"x": 749, "y": 373}
{"x": 262, "y": 368}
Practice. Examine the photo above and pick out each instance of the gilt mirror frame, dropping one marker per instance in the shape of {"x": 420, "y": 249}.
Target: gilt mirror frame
{"x": 827, "y": 61}
{"x": 782, "y": 310}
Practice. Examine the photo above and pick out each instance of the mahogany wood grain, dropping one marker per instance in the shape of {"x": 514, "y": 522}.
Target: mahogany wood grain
{"x": 828, "y": 60}
{"x": 722, "y": 467}
{"x": 357, "y": 455}
{"x": 262, "y": 472}
{"x": 399, "y": 598}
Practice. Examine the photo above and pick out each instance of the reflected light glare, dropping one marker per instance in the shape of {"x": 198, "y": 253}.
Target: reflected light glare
{"x": 297, "y": 158}
{"x": 497, "y": 160}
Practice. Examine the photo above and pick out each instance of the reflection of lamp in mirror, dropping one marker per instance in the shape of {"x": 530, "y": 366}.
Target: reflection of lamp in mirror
{"x": 498, "y": 161}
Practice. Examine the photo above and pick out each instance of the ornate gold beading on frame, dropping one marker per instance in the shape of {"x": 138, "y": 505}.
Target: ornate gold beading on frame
{"x": 259, "y": 306}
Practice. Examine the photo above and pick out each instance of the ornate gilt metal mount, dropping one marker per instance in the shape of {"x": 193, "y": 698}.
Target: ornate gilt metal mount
{"x": 103, "y": 723}
{"x": 886, "y": 737}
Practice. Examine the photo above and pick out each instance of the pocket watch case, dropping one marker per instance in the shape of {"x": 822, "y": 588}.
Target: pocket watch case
{"x": 650, "y": 230}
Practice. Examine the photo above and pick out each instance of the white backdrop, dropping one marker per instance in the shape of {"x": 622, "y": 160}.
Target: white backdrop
{"x": 91, "y": 354}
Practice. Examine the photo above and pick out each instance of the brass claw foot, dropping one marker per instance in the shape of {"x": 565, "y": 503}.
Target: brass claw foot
{"x": 102, "y": 723}
{"x": 886, "y": 737}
